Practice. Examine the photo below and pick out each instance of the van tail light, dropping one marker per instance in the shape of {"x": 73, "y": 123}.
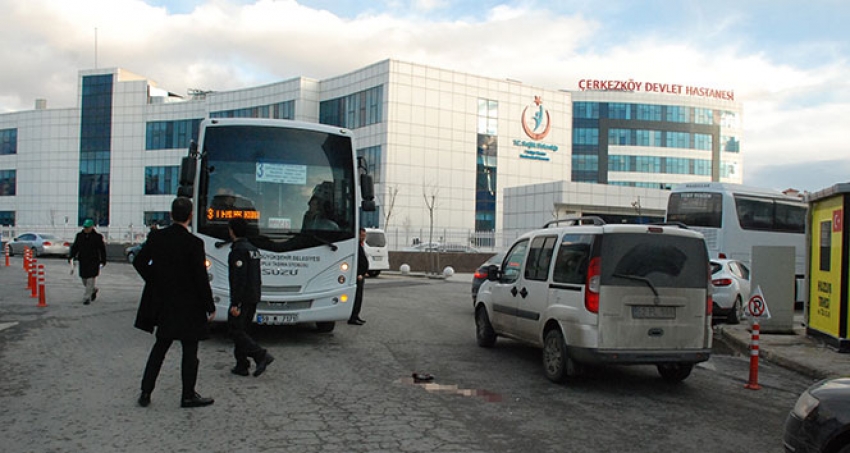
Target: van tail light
{"x": 66, "y": 244}
{"x": 709, "y": 303}
{"x": 480, "y": 273}
{"x": 722, "y": 282}
{"x": 721, "y": 255}
{"x": 591, "y": 289}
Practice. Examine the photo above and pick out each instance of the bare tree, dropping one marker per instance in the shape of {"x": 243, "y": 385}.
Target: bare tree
{"x": 430, "y": 197}
{"x": 389, "y": 204}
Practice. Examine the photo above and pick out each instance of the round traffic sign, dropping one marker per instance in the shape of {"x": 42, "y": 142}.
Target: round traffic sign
{"x": 756, "y": 305}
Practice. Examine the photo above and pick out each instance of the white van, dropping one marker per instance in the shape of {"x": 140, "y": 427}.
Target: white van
{"x": 602, "y": 294}
{"x": 377, "y": 251}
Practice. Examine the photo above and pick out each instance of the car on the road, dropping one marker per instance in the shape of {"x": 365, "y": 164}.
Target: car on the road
{"x": 820, "y": 420}
{"x": 593, "y": 294}
{"x": 132, "y": 251}
{"x": 480, "y": 274}
{"x": 41, "y": 244}
{"x": 423, "y": 247}
{"x": 730, "y": 288}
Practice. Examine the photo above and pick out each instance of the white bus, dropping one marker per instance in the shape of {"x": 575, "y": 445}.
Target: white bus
{"x": 734, "y": 218}
{"x": 300, "y": 187}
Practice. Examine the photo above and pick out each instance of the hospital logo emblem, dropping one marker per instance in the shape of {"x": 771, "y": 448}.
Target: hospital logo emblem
{"x": 535, "y": 120}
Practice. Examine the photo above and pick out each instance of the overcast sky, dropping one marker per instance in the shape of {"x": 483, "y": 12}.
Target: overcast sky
{"x": 788, "y": 62}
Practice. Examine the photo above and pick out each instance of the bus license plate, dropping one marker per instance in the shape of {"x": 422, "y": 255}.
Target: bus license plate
{"x": 290, "y": 318}
{"x": 653, "y": 312}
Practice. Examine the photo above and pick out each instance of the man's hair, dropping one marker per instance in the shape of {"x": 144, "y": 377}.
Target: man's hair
{"x": 181, "y": 208}
{"x": 362, "y": 230}
{"x": 239, "y": 227}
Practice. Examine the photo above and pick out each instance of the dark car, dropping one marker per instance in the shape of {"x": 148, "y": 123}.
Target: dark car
{"x": 481, "y": 273}
{"x": 820, "y": 421}
{"x": 132, "y": 251}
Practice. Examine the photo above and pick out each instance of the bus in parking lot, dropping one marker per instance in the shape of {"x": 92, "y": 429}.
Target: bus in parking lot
{"x": 734, "y": 218}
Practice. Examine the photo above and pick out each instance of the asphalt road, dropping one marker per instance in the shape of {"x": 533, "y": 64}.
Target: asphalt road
{"x": 71, "y": 373}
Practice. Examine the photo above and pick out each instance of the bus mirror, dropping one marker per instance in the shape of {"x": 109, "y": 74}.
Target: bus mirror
{"x": 368, "y": 205}
{"x": 187, "y": 171}
{"x": 367, "y": 187}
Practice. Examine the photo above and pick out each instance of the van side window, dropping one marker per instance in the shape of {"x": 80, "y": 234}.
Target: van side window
{"x": 573, "y": 256}
{"x": 513, "y": 262}
{"x": 540, "y": 258}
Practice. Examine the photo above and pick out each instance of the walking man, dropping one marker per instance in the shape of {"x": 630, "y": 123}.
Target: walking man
{"x": 245, "y": 282}
{"x": 177, "y": 299}
{"x": 88, "y": 248}
{"x": 362, "y": 271}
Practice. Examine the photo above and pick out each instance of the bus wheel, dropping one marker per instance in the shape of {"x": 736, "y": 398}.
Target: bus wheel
{"x": 325, "y": 327}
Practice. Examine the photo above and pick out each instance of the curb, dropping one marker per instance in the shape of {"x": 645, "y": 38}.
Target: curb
{"x": 766, "y": 353}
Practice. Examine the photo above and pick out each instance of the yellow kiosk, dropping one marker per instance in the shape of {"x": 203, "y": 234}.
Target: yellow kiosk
{"x": 829, "y": 264}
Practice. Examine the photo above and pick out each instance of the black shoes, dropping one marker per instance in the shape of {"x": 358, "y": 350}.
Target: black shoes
{"x": 356, "y": 322}
{"x": 195, "y": 401}
{"x": 144, "y": 399}
{"x": 86, "y": 302}
{"x": 240, "y": 371}
{"x": 94, "y": 294}
{"x": 262, "y": 364}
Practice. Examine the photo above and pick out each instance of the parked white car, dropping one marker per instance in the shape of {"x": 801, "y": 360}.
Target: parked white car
{"x": 730, "y": 288}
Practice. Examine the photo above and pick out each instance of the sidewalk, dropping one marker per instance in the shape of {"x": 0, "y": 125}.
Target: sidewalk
{"x": 798, "y": 352}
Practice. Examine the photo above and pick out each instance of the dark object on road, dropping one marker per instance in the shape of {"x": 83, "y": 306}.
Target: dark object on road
{"x": 422, "y": 377}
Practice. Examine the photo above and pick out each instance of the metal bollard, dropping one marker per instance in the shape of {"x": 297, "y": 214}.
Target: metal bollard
{"x": 42, "y": 297}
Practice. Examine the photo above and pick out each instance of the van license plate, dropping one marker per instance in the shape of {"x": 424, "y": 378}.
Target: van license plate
{"x": 653, "y": 312}
{"x": 277, "y": 319}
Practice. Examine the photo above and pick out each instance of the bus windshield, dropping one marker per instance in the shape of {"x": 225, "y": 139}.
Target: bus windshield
{"x": 295, "y": 187}
{"x": 699, "y": 209}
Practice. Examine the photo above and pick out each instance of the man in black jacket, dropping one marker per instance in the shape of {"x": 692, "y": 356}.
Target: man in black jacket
{"x": 362, "y": 271}
{"x": 177, "y": 299}
{"x": 243, "y": 265}
{"x": 88, "y": 248}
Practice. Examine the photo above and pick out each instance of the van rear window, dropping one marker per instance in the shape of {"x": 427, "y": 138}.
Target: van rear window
{"x": 667, "y": 261}
{"x": 376, "y": 239}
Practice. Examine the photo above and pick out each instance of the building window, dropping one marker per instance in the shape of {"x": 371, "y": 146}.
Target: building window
{"x": 678, "y": 140}
{"x": 7, "y": 218}
{"x": 8, "y": 141}
{"x": 371, "y": 219}
{"x": 621, "y": 137}
{"x": 586, "y": 110}
{"x": 171, "y": 134}
{"x": 677, "y": 114}
{"x": 356, "y": 110}
{"x": 279, "y": 111}
{"x": 488, "y": 116}
{"x": 585, "y": 136}
{"x": 646, "y": 112}
{"x": 648, "y": 138}
{"x": 703, "y": 116}
{"x": 161, "y": 180}
{"x": 585, "y": 163}
{"x": 620, "y": 111}
{"x": 702, "y": 141}
{"x": 730, "y": 144}
{"x": 8, "y": 183}
{"x": 372, "y": 158}
{"x": 95, "y": 149}
{"x": 486, "y": 172}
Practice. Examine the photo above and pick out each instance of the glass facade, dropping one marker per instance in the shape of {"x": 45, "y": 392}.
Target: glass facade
{"x": 355, "y": 110}
{"x": 279, "y": 111}
{"x": 599, "y": 125}
{"x": 95, "y": 148}
{"x": 486, "y": 165}
{"x": 171, "y": 134}
{"x": 8, "y": 183}
{"x": 161, "y": 180}
{"x": 8, "y": 141}
{"x": 372, "y": 158}
{"x": 162, "y": 218}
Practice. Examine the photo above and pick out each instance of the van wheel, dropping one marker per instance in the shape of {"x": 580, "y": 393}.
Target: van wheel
{"x": 557, "y": 364}
{"x": 735, "y": 315}
{"x": 484, "y": 332}
{"x": 325, "y": 327}
{"x": 374, "y": 273}
{"x": 675, "y": 372}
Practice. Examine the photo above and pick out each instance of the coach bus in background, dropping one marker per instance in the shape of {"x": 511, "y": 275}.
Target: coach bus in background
{"x": 301, "y": 188}
{"x": 734, "y": 218}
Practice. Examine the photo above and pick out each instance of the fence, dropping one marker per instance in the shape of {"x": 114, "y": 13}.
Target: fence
{"x": 398, "y": 239}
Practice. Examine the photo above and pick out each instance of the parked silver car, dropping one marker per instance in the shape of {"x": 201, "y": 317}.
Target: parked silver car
{"x": 730, "y": 288}
{"x": 41, "y": 244}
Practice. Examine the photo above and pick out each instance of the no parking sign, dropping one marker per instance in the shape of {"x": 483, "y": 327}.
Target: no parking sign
{"x": 757, "y": 306}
